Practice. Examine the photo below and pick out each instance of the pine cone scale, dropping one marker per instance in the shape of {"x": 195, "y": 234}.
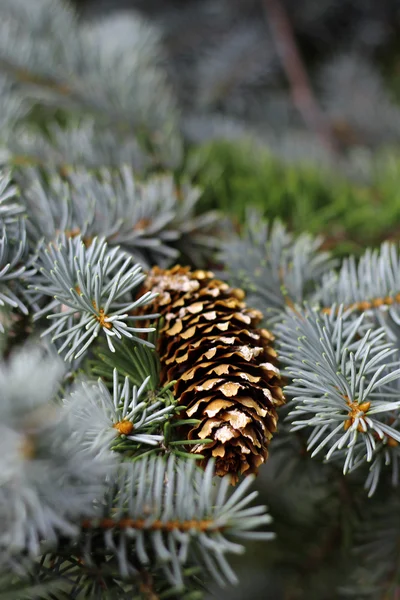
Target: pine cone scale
{"x": 241, "y": 338}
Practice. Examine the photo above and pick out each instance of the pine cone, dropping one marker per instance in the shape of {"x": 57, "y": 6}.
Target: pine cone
{"x": 224, "y": 366}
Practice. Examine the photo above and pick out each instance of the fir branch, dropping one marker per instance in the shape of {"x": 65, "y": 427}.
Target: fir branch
{"x": 49, "y": 479}
{"x": 344, "y": 385}
{"x": 371, "y": 285}
{"x": 125, "y": 421}
{"x": 370, "y": 282}
{"x": 65, "y": 577}
{"x": 274, "y": 268}
{"x": 165, "y": 513}
{"x": 15, "y": 263}
{"x": 139, "y": 363}
{"x": 91, "y": 287}
{"x": 109, "y": 70}
{"x": 160, "y": 518}
{"x": 152, "y": 220}
{"x": 84, "y": 142}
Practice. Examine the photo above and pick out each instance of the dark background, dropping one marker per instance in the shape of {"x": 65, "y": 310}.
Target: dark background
{"x": 224, "y": 60}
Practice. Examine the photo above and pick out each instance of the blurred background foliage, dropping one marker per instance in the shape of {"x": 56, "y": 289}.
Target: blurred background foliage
{"x": 349, "y": 214}
{"x": 331, "y": 168}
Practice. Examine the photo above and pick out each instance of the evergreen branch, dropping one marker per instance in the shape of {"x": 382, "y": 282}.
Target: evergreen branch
{"x": 344, "y": 385}
{"x": 152, "y": 220}
{"x": 165, "y": 512}
{"x": 134, "y": 361}
{"x": 274, "y": 268}
{"x": 371, "y": 285}
{"x": 49, "y": 479}
{"x": 139, "y": 363}
{"x": 59, "y": 577}
{"x": 104, "y": 421}
{"x": 15, "y": 265}
{"x": 91, "y": 287}
{"x": 159, "y": 517}
{"x": 10, "y": 207}
{"x": 84, "y": 142}
{"x": 109, "y": 70}
{"x": 371, "y": 282}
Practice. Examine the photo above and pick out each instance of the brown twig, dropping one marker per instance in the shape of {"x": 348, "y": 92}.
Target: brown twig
{"x": 303, "y": 96}
{"x": 364, "y": 305}
{"x": 156, "y": 525}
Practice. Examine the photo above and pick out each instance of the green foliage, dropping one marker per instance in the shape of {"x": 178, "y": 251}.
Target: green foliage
{"x": 131, "y": 360}
{"x": 140, "y": 365}
{"x": 349, "y": 214}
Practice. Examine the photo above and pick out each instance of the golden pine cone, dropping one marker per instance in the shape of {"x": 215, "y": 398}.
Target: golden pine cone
{"x": 224, "y": 366}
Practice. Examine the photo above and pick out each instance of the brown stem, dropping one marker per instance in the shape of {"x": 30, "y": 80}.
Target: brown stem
{"x": 157, "y": 525}
{"x": 303, "y": 96}
{"x": 364, "y": 305}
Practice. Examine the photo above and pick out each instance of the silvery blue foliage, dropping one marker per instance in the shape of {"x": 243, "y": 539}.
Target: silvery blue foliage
{"x": 60, "y": 487}
{"x": 92, "y": 290}
{"x": 12, "y": 268}
{"x": 376, "y": 275}
{"x": 275, "y": 268}
{"x": 48, "y": 479}
{"x": 15, "y": 263}
{"x": 83, "y": 143}
{"x": 344, "y": 385}
{"x": 150, "y": 219}
{"x": 108, "y": 70}
{"x": 12, "y": 108}
{"x": 10, "y": 205}
{"x": 129, "y": 414}
{"x": 60, "y": 482}
{"x": 370, "y": 285}
{"x": 192, "y": 517}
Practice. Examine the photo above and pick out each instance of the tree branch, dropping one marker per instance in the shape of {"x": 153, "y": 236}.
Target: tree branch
{"x": 302, "y": 94}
